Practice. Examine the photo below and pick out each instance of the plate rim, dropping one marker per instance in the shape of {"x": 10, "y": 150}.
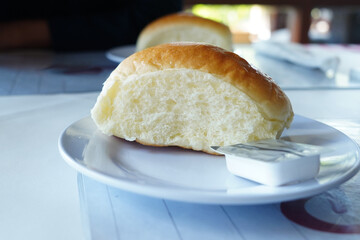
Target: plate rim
{"x": 206, "y": 196}
{"x": 115, "y": 58}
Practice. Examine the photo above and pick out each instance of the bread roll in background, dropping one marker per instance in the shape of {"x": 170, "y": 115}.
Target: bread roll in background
{"x": 192, "y": 96}
{"x": 181, "y": 27}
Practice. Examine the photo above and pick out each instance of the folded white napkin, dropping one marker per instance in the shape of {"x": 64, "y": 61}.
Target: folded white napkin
{"x": 297, "y": 54}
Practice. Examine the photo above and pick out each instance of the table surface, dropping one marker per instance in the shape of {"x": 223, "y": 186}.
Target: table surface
{"x": 41, "y": 197}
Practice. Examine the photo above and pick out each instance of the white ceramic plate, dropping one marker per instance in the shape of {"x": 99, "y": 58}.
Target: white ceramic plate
{"x": 185, "y": 175}
{"x": 118, "y": 54}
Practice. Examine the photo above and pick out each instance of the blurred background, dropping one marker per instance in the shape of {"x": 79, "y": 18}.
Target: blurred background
{"x": 316, "y": 21}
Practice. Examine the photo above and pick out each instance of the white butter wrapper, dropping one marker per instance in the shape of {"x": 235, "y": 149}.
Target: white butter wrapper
{"x": 272, "y": 162}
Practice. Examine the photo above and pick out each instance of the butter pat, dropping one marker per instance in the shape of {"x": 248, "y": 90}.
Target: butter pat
{"x": 272, "y": 162}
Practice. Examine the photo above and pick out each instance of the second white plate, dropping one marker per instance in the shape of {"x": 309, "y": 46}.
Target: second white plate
{"x": 118, "y": 54}
{"x": 185, "y": 175}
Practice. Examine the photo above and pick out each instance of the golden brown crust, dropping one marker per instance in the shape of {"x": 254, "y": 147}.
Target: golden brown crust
{"x": 271, "y": 100}
{"x": 185, "y": 18}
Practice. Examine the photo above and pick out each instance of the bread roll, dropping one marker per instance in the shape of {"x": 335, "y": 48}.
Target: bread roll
{"x": 182, "y": 27}
{"x": 192, "y": 96}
